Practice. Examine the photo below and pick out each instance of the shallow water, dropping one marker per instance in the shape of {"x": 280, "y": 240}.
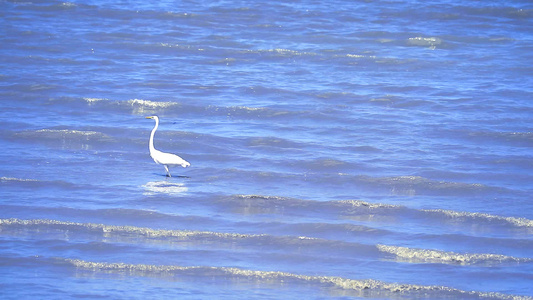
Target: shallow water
{"x": 341, "y": 149}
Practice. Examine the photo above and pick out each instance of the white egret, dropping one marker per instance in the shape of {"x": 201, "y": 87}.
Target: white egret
{"x": 163, "y": 158}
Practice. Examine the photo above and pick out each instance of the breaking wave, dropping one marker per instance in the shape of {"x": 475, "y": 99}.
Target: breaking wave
{"x": 475, "y": 216}
{"x": 17, "y": 179}
{"x": 436, "y": 256}
{"x": 367, "y": 287}
{"x": 355, "y": 207}
{"x": 133, "y": 234}
{"x": 110, "y": 229}
{"x": 142, "y": 106}
{"x": 66, "y": 138}
{"x": 265, "y": 241}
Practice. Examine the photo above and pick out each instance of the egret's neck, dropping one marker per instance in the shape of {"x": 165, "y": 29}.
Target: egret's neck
{"x": 151, "y": 145}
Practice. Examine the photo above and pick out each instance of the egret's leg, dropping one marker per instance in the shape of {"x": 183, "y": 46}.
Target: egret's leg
{"x": 168, "y": 172}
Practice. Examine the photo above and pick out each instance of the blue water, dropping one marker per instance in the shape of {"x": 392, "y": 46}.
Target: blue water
{"x": 367, "y": 149}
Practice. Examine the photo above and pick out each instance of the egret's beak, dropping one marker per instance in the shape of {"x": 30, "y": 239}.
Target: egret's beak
{"x": 149, "y": 117}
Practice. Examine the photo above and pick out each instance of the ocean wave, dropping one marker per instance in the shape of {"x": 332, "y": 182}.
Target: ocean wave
{"x": 133, "y": 234}
{"x": 286, "y": 52}
{"x": 94, "y": 100}
{"x": 475, "y": 216}
{"x": 364, "y": 204}
{"x": 17, "y": 179}
{"x": 524, "y": 139}
{"x": 65, "y": 138}
{"x": 66, "y": 132}
{"x": 349, "y": 58}
{"x": 435, "y": 256}
{"x": 272, "y": 142}
{"x": 511, "y": 138}
{"x": 35, "y": 183}
{"x": 135, "y": 106}
{"x": 430, "y": 42}
{"x": 372, "y": 59}
{"x": 63, "y": 134}
{"x": 351, "y": 208}
{"x": 55, "y": 7}
{"x": 143, "y": 106}
{"x": 416, "y": 185}
{"x": 109, "y": 229}
{"x": 367, "y": 287}
{"x": 498, "y": 11}
{"x": 151, "y": 104}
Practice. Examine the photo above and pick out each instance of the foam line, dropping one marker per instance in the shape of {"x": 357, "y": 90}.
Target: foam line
{"x": 426, "y": 255}
{"x": 368, "y": 286}
{"x": 148, "y": 232}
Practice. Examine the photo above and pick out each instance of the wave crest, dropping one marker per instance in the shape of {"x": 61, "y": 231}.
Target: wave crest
{"x": 350, "y": 208}
{"x": 436, "y": 256}
{"x": 17, "y": 179}
{"x": 369, "y": 287}
{"x": 519, "y": 222}
{"x": 141, "y": 231}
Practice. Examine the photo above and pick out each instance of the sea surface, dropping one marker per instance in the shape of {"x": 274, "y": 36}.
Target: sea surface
{"x": 339, "y": 149}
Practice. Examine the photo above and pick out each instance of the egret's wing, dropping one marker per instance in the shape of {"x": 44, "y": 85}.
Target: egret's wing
{"x": 170, "y": 159}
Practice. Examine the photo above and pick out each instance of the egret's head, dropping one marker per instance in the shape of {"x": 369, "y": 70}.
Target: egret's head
{"x": 152, "y": 117}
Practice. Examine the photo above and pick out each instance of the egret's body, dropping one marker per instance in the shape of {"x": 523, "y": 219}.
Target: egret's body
{"x": 163, "y": 158}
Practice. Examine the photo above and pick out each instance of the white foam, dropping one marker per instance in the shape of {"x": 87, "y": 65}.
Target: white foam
{"x": 247, "y": 108}
{"x": 277, "y": 198}
{"x": 520, "y": 222}
{"x": 151, "y": 104}
{"x": 359, "y": 203}
{"x": 68, "y": 4}
{"x": 361, "y": 56}
{"x": 141, "y": 106}
{"x": 17, "y": 179}
{"x": 288, "y": 52}
{"x": 436, "y": 256}
{"x": 430, "y": 42}
{"x": 94, "y": 100}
